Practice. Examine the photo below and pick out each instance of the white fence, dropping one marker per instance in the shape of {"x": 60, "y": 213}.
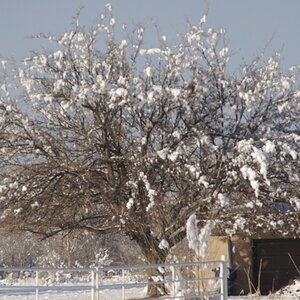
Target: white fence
{"x": 193, "y": 280}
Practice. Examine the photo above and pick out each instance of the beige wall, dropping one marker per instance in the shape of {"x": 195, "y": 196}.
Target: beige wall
{"x": 217, "y": 246}
{"x": 238, "y": 253}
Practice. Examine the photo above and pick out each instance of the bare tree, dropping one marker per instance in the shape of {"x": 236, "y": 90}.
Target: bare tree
{"x": 134, "y": 140}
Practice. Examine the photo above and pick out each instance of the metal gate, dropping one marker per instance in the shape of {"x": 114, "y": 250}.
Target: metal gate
{"x": 188, "y": 280}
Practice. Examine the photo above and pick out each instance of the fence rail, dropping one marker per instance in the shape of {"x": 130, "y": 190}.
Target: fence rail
{"x": 188, "y": 280}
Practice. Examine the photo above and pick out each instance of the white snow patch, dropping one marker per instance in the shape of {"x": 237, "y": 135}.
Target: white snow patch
{"x": 164, "y": 244}
{"x": 151, "y": 51}
{"x": 148, "y": 72}
{"x": 202, "y": 181}
{"x": 259, "y": 156}
{"x": 288, "y": 150}
{"x": 130, "y": 203}
{"x": 224, "y": 52}
{"x": 223, "y": 200}
{"x": 249, "y": 205}
{"x": 240, "y": 223}
{"x": 163, "y": 153}
{"x": 18, "y": 211}
{"x": 198, "y": 241}
{"x": 269, "y": 147}
{"x": 296, "y": 202}
{"x": 176, "y": 134}
{"x": 151, "y": 192}
{"x": 249, "y": 173}
{"x": 35, "y": 204}
{"x": 285, "y": 84}
{"x": 203, "y": 19}
{"x": 173, "y": 156}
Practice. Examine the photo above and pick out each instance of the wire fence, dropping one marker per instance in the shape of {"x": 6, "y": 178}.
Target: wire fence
{"x": 188, "y": 280}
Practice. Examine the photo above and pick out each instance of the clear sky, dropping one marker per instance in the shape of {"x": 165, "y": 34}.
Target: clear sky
{"x": 250, "y": 24}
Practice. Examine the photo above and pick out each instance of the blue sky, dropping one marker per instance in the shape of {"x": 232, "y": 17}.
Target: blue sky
{"x": 249, "y": 24}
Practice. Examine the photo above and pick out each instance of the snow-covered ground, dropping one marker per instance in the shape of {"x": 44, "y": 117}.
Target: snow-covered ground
{"x": 112, "y": 294}
{"x": 132, "y": 293}
{"x": 135, "y": 291}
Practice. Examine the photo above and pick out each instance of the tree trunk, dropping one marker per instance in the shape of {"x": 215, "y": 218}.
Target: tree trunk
{"x": 154, "y": 255}
{"x": 156, "y": 286}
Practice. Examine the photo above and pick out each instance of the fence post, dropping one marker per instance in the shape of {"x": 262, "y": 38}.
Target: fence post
{"x": 223, "y": 279}
{"x": 97, "y": 283}
{"x": 173, "y": 280}
{"x": 37, "y": 285}
{"x": 123, "y": 282}
{"x": 93, "y": 285}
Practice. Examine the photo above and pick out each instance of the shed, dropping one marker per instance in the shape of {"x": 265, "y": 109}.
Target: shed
{"x": 259, "y": 263}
